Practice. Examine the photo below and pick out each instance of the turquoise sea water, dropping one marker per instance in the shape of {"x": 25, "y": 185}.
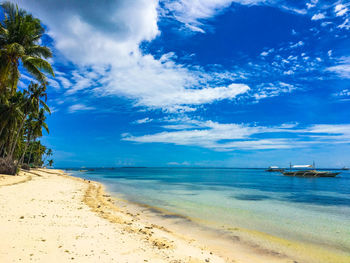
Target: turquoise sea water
{"x": 313, "y": 210}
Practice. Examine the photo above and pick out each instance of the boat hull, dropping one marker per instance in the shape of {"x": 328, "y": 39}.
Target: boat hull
{"x": 310, "y": 174}
{"x": 275, "y": 170}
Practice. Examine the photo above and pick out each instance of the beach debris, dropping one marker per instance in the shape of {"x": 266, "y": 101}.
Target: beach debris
{"x": 162, "y": 243}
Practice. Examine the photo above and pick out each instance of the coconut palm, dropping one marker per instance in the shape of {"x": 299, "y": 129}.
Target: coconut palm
{"x": 10, "y": 113}
{"x": 32, "y": 103}
{"x": 19, "y": 43}
{"x": 48, "y": 153}
{"x": 22, "y": 113}
{"x": 50, "y": 162}
{"x": 37, "y": 131}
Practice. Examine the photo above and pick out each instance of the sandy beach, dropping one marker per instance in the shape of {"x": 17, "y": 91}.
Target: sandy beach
{"x": 48, "y": 216}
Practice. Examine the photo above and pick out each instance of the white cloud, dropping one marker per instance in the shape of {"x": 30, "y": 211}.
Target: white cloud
{"x": 54, "y": 84}
{"x": 273, "y": 89}
{"x": 318, "y": 16}
{"x": 298, "y": 44}
{"x": 228, "y": 137}
{"x": 144, "y": 120}
{"x": 79, "y": 107}
{"x": 194, "y": 96}
{"x": 342, "y": 69}
{"x": 288, "y": 72}
{"x": 342, "y": 93}
{"x": 345, "y": 24}
{"x": 103, "y": 42}
{"x": 311, "y": 4}
{"x": 340, "y": 10}
{"x": 192, "y": 13}
{"x": 117, "y": 27}
{"x": 64, "y": 81}
{"x": 265, "y": 53}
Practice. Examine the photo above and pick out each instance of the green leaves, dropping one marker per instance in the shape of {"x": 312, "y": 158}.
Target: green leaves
{"x": 22, "y": 113}
{"x": 20, "y": 33}
{"x": 39, "y": 51}
{"x": 40, "y": 65}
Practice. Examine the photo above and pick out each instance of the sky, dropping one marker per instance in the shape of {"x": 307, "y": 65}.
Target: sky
{"x": 224, "y": 83}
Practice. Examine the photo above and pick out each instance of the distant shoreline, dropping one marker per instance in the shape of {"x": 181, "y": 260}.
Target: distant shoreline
{"x": 179, "y": 167}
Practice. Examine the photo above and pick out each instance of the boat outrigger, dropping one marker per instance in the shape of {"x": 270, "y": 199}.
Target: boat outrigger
{"x": 308, "y": 173}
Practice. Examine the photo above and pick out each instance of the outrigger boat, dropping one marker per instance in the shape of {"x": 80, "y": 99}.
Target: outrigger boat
{"x": 308, "y": 173}
{"x": 274, "y": 169}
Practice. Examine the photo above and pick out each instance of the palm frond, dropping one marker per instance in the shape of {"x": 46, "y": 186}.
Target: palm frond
{"x": 44, "y": 125}
{"x": 39, "y": 51}
{"x": 39, "y": 63}
{"x": 34, "y": 70}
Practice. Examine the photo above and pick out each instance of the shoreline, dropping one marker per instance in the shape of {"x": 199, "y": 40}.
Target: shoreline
{"x": 153, "y": 239}
{"x": 242, "y": 239}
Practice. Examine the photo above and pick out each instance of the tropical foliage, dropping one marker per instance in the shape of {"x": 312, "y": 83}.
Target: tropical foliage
{"x": 22, "y": 110}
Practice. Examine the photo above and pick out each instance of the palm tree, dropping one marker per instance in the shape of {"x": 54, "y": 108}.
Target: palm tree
{"x": 20, "y": 33}
{"x": 48, "y": 154}
{"x": 50, "y": 162}
{"x": 32, "y": 103}
{"x": 9, "y": 116}
{"x": 38, "y": 126}
{"x": 22, "y": 113}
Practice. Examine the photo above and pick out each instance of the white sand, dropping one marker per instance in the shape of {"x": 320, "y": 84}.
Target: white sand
{"x": 45, "y": 220}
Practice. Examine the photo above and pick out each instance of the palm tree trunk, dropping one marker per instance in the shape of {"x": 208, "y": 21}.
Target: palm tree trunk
{"x": 11, "y": 141}
{"x": 17, "y": 136}
{"x": 30, "y": 152}
{"x": 25, "y": 150}
{"x": 2, "y": 147}
{"x": 2, "y": 129}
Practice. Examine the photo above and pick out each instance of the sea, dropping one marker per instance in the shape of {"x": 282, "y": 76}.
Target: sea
{"x": 308, "y": 210}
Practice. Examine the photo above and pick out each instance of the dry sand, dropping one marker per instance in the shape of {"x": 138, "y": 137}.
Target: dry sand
{"x": 47, "y": 216}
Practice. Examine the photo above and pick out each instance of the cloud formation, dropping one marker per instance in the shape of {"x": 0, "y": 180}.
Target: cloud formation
{"x": 232, "y": 136}
{"x": 342, "y": 69}
{"x": 190, "y": 13}
{"x": 193, "y": 14}
{"x": 79, "y": 107}
{"x": 111, "y": 62}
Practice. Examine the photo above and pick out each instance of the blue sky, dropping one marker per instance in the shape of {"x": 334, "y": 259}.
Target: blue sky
{"x": 242, "y": 83}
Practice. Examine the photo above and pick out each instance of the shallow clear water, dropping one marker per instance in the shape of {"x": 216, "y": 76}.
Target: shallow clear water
{"x": 315, "y": 210}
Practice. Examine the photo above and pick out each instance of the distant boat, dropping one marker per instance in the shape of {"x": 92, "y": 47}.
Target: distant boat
{"x": 311, "y": 173}
{"x": 274, "y": 169}
{"x": 308, "y": 173}
{"x": 345, "y": 168}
